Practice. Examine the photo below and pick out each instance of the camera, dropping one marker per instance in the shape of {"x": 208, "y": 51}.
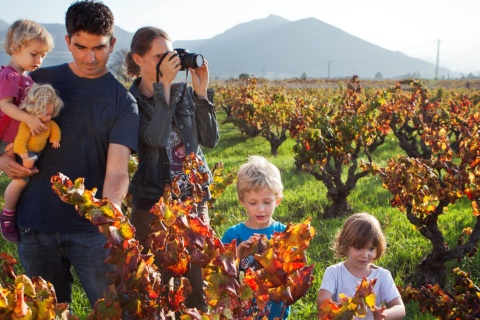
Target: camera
{"x": 189, "y": 59}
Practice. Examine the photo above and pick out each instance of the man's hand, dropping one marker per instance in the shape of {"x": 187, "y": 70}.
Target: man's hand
{"x": 13, "y": 169}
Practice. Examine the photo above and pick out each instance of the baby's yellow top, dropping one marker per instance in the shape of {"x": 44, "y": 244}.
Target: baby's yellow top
{"x": 25, "y": 141}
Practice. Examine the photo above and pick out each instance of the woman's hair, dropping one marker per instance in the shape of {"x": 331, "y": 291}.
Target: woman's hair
{"x": 22, "y": 32}
{"x": 89, "y": 16}
{"x": 257, "y": 174}
{"x": 37, "y": 98}
{"x": 358, "y": 231}
{"x": 141, "y": 44}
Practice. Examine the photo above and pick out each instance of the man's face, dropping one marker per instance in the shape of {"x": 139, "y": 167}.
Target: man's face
{"x": 90, "y": 53}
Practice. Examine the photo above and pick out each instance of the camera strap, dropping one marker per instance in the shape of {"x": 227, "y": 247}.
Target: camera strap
{"x": 186, "y": 84}
{"x": 159, "y": 73}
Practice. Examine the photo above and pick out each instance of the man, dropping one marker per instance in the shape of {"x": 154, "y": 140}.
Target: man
{"x": 99, "y": 126}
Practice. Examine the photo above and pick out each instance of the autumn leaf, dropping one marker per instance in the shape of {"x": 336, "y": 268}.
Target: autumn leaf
{"x": 220, "y": 287}
{"x": 21, "y": 310}
{"x": 350, "y": 306}
{"x": 108, "y": 307}
{"x": 8, "y": 263}
{"x": 226, "y": 260}
{"x": 66, "y": 190}
{"x": 300, "y": 282}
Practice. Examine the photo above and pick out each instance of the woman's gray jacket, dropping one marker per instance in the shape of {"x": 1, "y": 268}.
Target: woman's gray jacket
{"x": 196, "y": 122}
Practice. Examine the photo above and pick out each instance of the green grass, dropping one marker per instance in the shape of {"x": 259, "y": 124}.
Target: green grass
{"x": 305, "y": 197}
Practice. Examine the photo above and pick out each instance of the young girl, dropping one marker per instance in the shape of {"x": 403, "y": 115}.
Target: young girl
{"x": 43, "y": 103}
{"x": 361, "y": 241}
{"x": 27, "y": 44}
{"x": 259, "y": 189}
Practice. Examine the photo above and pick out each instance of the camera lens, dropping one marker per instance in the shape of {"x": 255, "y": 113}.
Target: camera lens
{"x": 189, "y": 60}
{"x": 198, "y": 60}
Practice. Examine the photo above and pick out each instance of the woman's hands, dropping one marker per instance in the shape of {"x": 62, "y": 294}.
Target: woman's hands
{"x": 200, "y": 80}
{"x": 170, "y": 67}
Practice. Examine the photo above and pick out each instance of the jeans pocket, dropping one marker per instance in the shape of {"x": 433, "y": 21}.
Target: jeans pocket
{"x": 24, "y": 230}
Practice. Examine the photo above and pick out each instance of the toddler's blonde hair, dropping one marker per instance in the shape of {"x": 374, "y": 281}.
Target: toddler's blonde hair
{"x": 22, "y": 32}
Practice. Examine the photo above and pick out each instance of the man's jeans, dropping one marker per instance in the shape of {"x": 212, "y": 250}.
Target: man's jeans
{"x": 51, "y": 255}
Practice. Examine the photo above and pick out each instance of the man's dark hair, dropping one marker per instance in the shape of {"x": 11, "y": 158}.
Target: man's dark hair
{"x": 90, "y": 16}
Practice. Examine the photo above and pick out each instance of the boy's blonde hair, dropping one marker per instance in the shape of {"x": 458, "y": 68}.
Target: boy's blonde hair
{"x": 21, "y": 32}
{"x": 358, "y": 231}
{"x": 37, "y": 98}
{"x": 259, "y": 173}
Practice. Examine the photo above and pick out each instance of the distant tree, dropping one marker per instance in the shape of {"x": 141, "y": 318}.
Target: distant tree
{"x": 119, "y": 67}
{"x": 303, "y": 76}
{"x": 244, "y": 76}
{"x": 378, "y": 76}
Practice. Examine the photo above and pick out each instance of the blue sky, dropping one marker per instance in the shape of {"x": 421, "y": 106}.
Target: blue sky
{"x": 413, "y": 27}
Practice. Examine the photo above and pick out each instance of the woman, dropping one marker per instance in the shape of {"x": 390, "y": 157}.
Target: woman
{"x": 175, "y": 120}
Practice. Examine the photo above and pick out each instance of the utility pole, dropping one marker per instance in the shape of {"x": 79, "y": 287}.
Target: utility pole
{"x": 437, "y": 66}
{"x": 329, "y": 62}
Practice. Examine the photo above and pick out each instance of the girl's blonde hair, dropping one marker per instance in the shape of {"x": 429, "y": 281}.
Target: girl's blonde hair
{"x": 22, "y": 32}
{"x": 37, "y": 98}
{"x": 358, "y": 231}
{"x": 259, "y": 173}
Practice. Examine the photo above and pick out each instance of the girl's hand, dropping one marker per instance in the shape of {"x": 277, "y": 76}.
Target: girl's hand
{"x": 378, "y": 313}
{"x": 24, "y": 156}
{"x": 35, "y": 125}
{"x": 56, "y": 144}
{"x": 200, "y": 80}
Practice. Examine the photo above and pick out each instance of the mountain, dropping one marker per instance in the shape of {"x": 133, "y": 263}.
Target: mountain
{"x": 275, "y": 48}
{"x": 3, "y": 25}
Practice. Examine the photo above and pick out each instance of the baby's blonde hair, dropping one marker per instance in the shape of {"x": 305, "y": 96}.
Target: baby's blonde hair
{"x": 259, "y": 173}
{"x": 358, "y": 231}
{"x": 37, "y": 98}
{"x": 22, "y": 32}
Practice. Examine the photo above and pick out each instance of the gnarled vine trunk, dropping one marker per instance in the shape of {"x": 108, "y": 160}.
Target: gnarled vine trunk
{"x": 432, "y": 269}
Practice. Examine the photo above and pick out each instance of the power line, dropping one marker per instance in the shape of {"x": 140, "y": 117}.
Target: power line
{"x": 437, "y": 66}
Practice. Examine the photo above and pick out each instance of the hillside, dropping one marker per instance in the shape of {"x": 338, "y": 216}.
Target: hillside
{"x": 278, "y": 48}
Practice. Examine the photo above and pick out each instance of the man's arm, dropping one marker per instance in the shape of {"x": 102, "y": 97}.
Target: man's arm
{"x": 116, "y": 182}
{"x": 12, "y": 168}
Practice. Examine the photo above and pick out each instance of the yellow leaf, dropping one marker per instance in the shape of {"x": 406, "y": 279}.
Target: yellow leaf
{"x": 370, "y": 300}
